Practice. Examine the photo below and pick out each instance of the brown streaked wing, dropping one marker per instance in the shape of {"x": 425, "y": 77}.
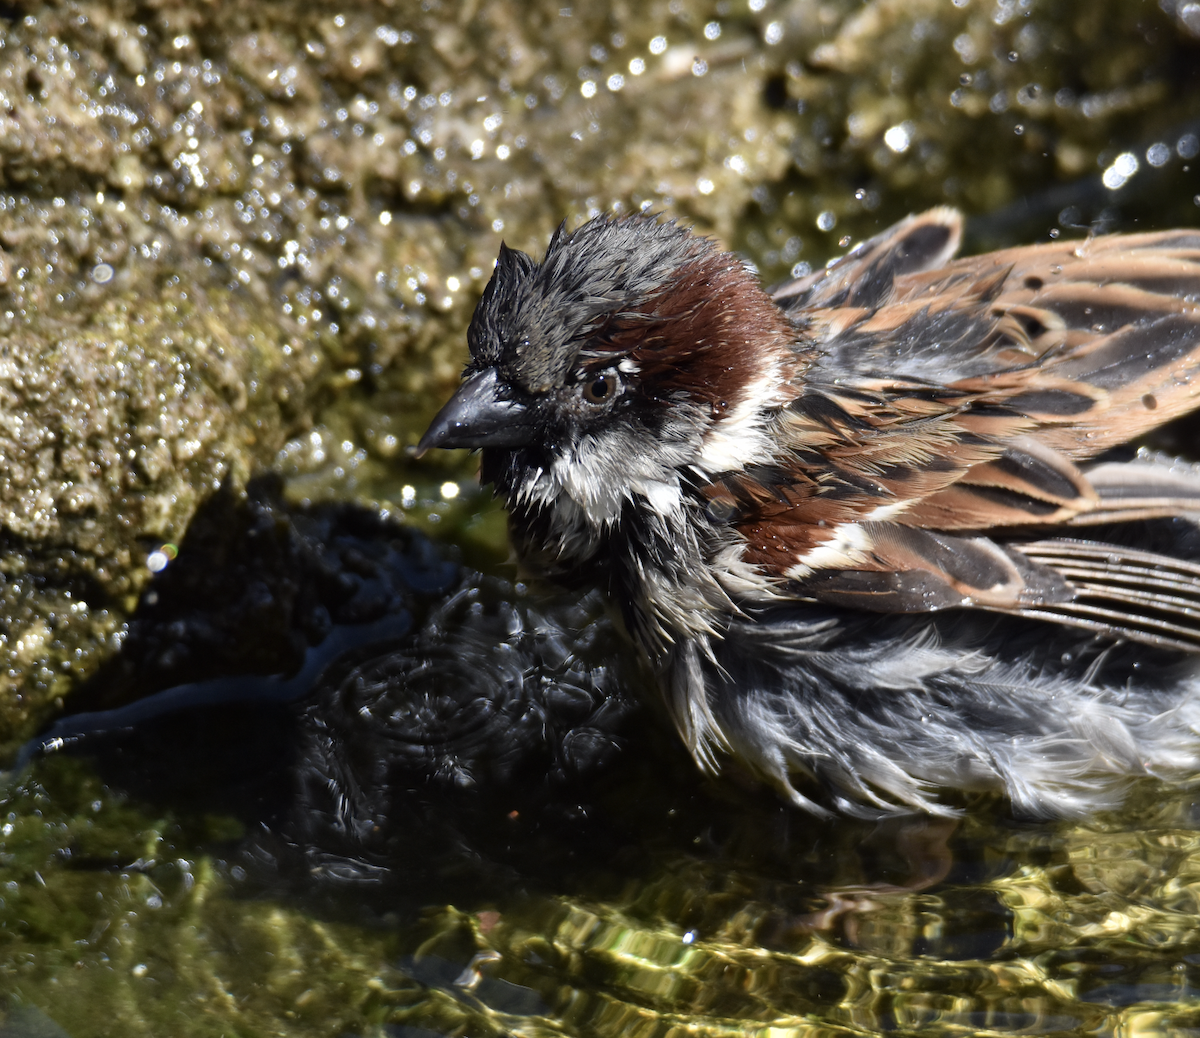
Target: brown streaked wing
{"x": 1044, "y": 329}
{"x": 1116, "y": 591}
{"x": 864, "y": 277}
{"x": 1128, "y": 307}
{"x": 1069, "y": 348}
{"x": 960, "y": 396}
{"x": 1027, "y": 485}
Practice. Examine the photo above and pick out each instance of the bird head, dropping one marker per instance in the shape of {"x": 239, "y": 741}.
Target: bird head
{"x": 599, "y": 374}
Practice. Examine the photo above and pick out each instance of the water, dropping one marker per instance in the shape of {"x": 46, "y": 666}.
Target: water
{"x": 457, "y": 816}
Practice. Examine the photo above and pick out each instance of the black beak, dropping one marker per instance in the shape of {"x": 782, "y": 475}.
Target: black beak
{"x": 477, "y": 417}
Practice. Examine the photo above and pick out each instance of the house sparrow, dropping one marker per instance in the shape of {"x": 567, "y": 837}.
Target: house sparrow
{"x": 870, "y": 528}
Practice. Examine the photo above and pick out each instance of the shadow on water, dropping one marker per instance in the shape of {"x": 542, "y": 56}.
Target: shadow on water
{"x": 393, "y": 730}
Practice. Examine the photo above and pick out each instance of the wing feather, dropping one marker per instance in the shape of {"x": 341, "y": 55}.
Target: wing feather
{"x": 865, "y": 276}
{"x": 947, "y": 406}
{"x": 901, "y": 569}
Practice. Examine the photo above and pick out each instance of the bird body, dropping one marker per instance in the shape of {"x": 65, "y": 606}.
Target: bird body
{"x": 870, "y": 528}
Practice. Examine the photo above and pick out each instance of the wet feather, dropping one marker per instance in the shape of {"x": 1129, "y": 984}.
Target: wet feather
{"x": 836, "y": 517}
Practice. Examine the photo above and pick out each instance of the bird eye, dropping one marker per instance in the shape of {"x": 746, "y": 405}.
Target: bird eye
{"x": 600, "y": 389}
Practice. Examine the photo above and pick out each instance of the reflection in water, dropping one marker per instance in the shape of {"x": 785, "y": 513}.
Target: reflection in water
{"x": 478, "y": 740}
{"x": 474, "y": 828}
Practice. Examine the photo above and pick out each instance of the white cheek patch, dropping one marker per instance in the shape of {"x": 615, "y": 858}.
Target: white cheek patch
{"x": 585, "y": 492}
{"x": 741, "y": 436}
{"x": 587, "y": 478}
{"x": 601, "y": 475}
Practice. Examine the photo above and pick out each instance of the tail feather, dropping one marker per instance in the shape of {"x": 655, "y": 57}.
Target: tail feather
{"x": 1123, "y": 592}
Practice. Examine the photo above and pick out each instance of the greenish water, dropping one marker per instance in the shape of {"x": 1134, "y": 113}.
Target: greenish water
{"x": 707, "y": 911}
{"x": 183, "y": 872}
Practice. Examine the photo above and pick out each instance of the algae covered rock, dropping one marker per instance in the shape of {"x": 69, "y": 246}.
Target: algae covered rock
{"x": 116, "y": 420}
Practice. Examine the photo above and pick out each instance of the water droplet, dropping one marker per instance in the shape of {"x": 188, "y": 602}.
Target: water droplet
{"x": 1158, "y": 154}
{"x": 898, "y": 137}
{"x": 1123, "y": 167}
